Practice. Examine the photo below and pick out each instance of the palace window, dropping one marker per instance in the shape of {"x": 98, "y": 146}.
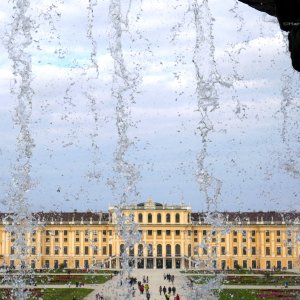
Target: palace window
{"x": 177, "y": 218}
{"x": 268, "y": 251}
{"x": 159, "y": 250}
{"x": 77, "y": 266}
{"x": 47, "y": 264}
{"x": 289, "y": 251}
{"x": 168, "y": 218}
{"x": 235, "y": 250}
{"x": 223, "y": 250}
{"x": 122, "y": 249}
{"x": 95, "y": 250}
{"x": 158, "y": 232}
{"x": 140, "y": 250}
{"x": 196, "y": 248}
{"x": 177, "y": 232}
{"x": 65, "y": 263}
{"x": 140, "y": 218}
{"x": 214, "y": 250}
{"x": 65, "y": 250}
{"x": 278, "y": 250}
{"x": 149, "y": 218}
{"x": 168, "y": 250}
{"x": 177, "y": 250}
{"x": 33, "y": 264}
{"x": 158, "y": 218}
{"x": 279, "y": 264}
{"x": 131, "y": 251}
{"x": 235, "y": 264}
{"x": 253, "y": 252}
{"x": 77, "y": 250}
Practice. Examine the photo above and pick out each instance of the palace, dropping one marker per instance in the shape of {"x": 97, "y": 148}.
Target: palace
{"x": 172, "y": 236}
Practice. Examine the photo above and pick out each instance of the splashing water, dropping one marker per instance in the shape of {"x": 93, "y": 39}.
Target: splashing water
{"x": 20, "y": 223}
{"x": 94, "y": 172}
{"x": 207, "y": 78}
{"x": 124, "y": 86}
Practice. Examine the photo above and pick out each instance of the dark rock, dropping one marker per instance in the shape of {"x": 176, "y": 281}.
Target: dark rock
{"x": 288, "y": 15}
{"x": 294, "y": 46}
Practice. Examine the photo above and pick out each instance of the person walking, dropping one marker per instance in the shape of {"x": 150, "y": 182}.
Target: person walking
{"x": 148, "y": 295}
{"x": 174, "y": 290}
{"x": 164, "y": 290}
{"x": 160, "y": 290}
{"x": 177, "y": 297}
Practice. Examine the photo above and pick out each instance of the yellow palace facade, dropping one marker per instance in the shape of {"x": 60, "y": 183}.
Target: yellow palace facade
{"x": 172, "y": 236}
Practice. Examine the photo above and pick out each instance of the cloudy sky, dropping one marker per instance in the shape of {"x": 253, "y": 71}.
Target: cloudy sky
{"x": 253, "y": 149}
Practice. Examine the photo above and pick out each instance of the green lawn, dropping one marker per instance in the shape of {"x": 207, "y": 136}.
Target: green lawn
{"x": 67, "y": 278}
{"x": 65, "y": 294}
{"x": 250, "y": 280}
{"x": 237, "y": 294}
{"x": 52, "y": 294}
{"x": 258, "y": 294}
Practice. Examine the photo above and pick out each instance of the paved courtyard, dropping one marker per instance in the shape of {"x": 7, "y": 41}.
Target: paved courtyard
{"x": 113, "y": 291}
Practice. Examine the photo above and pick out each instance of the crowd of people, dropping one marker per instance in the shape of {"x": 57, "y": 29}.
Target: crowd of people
{"x": 168, "y": 292}
{"x": 143, "y": 287}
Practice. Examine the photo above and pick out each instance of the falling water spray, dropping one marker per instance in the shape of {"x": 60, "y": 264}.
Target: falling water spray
{"x": 19, "y": 222}
{"x": 207, "y": 79}
{"x": 123, "y": 89}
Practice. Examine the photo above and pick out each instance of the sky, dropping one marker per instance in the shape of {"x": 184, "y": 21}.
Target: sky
{"x": 253, "y": 149}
